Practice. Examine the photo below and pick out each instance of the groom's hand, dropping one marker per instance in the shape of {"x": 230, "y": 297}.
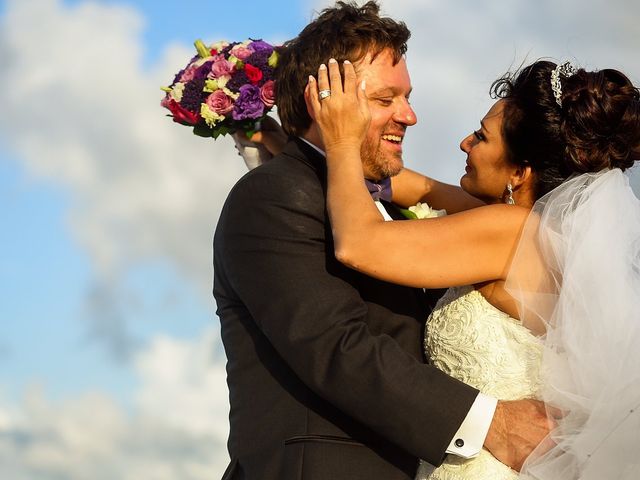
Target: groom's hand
{"x": 516, "y": 429}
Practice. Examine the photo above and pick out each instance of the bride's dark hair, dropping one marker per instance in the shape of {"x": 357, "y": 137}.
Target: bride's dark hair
{"x": 596, "y": 127}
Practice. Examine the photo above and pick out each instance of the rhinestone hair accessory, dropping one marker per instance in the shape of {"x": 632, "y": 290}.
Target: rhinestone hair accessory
{"x": 565, "y": 70}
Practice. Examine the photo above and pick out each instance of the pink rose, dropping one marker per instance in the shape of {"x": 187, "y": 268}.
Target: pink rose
{"x": 165, "y": 101}
{"x": 221, "y": 67}
{"x": 220, "y": 102}
{"x": 188, "y": 74}
{"x": 268, "y": 93}
{"x": 241, "y": 52}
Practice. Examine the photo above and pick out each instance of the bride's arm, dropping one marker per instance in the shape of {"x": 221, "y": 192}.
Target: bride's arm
{"x": 411, "y": 187}
{"x": 464, "y": 248}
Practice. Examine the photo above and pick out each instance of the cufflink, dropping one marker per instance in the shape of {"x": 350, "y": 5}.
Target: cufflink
{"x": 459, "y": 443}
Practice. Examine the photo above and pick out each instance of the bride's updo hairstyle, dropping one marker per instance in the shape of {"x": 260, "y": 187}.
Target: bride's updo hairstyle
{"x": 593, "y": 124}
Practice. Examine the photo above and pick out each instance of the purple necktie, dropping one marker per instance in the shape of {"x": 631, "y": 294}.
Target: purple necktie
{"x": 379, "y": 190}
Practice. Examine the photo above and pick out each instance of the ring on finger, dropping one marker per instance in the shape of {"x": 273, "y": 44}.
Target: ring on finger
{"x": 322, "y": 94}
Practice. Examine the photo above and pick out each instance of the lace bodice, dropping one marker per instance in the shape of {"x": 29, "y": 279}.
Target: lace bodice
{"x": 473, "y": 341}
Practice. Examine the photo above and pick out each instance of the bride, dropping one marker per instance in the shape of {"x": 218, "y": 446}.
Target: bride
{"x": 541, "y": 248}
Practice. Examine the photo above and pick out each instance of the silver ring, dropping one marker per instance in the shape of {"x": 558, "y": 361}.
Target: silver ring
{"x": 322, "y": 94}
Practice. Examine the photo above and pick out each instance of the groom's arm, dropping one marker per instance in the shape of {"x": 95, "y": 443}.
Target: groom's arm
{"x": 275, "y": 256}
{"x": 470, "y": 437}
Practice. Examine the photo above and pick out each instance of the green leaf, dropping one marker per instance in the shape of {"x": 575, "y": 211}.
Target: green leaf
{"x": 203, "y": 51}
{"x": 408, "y": 214}
{"x": 202, "y": 131}
{"x": 221, "y": 130}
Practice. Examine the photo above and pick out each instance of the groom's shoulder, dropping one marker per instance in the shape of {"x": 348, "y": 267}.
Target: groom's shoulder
{"x": 290, "y": 172}
{"x": 298, "y": 158}
{"x": 281, "y": 181}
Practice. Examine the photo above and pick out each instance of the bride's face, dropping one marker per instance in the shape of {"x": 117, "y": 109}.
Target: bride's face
{"x": 488, "y": 170}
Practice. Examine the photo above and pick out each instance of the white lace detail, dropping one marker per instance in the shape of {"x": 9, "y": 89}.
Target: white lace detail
{"x": 473, "y": 341}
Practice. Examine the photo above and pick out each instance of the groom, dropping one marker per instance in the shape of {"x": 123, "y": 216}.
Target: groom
{"x": 326, "y": 373}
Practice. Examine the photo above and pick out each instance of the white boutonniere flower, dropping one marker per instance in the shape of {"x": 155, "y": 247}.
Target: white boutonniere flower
{"x": 422, "y": 210}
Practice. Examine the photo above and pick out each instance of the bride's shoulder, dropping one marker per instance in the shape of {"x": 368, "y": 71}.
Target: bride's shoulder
{"x": 499, "y": 215}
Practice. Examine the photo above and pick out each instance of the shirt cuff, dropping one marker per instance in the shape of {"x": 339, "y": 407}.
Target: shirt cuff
{"x": 468, "y": 440}
{"x": 384, "y": 213}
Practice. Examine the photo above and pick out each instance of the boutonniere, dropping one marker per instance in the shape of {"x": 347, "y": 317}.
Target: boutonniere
{"x": 422, "y": 210}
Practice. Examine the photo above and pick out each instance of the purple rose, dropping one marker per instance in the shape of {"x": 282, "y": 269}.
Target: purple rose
{"x": 221, "y": 68}
{"x": 268, "y": 93}
{"x": 220, "y": 102}
{"x": 248, "y": 105}
{"x": 260, "y": 46}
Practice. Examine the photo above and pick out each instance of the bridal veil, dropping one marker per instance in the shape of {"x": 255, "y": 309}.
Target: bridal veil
{"x": 584, "y": 237}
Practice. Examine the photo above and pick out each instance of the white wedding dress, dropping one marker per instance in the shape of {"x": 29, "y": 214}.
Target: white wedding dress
{"x": 587, "y": 232}
{"x": 471, "y": 340}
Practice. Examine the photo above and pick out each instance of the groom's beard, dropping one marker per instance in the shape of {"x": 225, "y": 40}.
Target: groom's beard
{"x": 378, "y": 162}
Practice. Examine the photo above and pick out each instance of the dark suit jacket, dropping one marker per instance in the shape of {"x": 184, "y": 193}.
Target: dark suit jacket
{"x": 325, "y": 367}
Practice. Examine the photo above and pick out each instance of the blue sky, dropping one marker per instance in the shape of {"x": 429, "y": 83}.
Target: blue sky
{"x": 109, "y": 347}
{"x": 75, "y": 325}
{"x": 47, "y": 275}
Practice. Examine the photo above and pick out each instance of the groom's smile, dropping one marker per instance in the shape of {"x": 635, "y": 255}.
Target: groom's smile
{"x": 394, "y": 139}
{"x": 388, "y": 87}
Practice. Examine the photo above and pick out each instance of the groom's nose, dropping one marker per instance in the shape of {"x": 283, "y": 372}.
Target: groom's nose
{"x": 405, "y": 114}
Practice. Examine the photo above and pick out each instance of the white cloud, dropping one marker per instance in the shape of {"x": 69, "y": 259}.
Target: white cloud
{"x": 457, "y": 49}
{"x": 184, "y": 384}
{"x": 176, "y": 430}
{"x": 82, "y": 112}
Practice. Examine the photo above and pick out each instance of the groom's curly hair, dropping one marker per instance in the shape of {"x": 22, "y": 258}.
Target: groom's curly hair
{"x": 344, "y": 32}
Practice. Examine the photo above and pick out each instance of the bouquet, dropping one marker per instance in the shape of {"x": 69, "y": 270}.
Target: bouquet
{"x": 226, "y": 87}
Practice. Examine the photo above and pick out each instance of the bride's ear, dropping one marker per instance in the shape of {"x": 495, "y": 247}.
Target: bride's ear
{"x": 522, "y": 176}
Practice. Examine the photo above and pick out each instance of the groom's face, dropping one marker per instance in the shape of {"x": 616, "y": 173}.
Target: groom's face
{"x": 388, "y": 87}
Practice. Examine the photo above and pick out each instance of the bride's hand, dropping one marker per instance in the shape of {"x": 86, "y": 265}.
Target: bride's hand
{"x": 343, "y": 116}
{"x": 271, "y": 135}
{"x": 263, "y": 145}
